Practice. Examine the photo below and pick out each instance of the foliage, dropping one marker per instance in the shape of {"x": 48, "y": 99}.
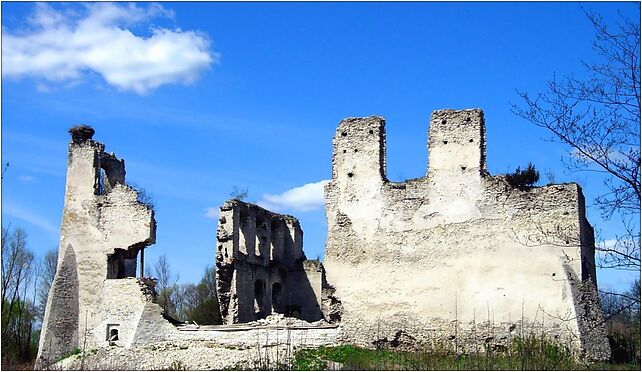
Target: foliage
{"x": 19, "y": 280}
{"x": 75, "y": 351}
{"x": 199, "y": 302}
{"x": 192, "y": 302}
{"x": 532, "y": 352}
{"x": 523, "y": 178}
{"x": 597, "y": 116}
{"x": 622, "y": 313}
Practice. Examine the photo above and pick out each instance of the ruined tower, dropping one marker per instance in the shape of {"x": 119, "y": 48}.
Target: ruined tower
{"x": 262, "y": 269}
{"x": 457, "y": 253}
{"x": 104, "y": 227}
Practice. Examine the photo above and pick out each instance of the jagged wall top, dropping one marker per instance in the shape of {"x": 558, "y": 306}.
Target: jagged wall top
{"x": 456, "y": 144}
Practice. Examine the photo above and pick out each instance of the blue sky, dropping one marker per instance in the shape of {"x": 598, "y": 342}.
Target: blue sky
{"x": 199, "y": 97}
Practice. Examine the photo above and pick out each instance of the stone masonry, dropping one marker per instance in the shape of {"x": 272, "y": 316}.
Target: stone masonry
{"x": 457, "y": 256}
{"x": 261, "y": 267}
{"x": 104, "y": 227}
{"x": 459, "y": 253}
{"x": 98, "y": 303}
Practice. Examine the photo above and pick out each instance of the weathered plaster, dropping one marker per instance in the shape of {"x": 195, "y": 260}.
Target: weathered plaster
{"x": 101, "y": 215}
{"x": 456, "y": 245}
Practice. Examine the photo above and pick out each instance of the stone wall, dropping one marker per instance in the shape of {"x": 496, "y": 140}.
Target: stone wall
{"x": 261, "y": 267}
{"x": 457, "y": 246}
{"x": 103, "y": 229}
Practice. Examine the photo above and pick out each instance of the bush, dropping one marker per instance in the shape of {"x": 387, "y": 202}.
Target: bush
{"x": 523, "y": 178}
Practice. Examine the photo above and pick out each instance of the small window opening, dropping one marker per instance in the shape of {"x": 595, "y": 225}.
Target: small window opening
{"x": 259, "y": 295}
{"x": 344, "y": 151}
{"x": 355, "y": 150}
{"x": 463, "y": 168}
{"x": 276, "y": 296}
{"x": 113, "y": 335}
{"x": 470, "y": 140}
{"x": 443, "y": 121}
{"x": 344, "y": 134}
{"x": 445, "y": 142}
{"x": 100, "y": 188}
{"x": 350, "y": 174}
{"x": 468, "y": 119}
{"x": 371, "y": 131}
{"x": 122, "y": 263}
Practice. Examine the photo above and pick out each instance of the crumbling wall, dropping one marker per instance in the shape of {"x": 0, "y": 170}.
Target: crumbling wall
{"x": 261, "y": 267}
{"x": 103, "y": 229}
{"x": 436, "y": 257}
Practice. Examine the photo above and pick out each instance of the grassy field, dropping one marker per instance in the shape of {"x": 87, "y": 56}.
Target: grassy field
{"x": 528, "y": 354}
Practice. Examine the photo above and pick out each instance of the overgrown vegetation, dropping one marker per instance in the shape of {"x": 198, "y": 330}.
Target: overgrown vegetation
{"x": 530, "y": 353}
{"x": 522, "y": 179}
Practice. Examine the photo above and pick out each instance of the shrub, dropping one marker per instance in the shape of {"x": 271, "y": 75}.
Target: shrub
{"x": 523, "y": 178}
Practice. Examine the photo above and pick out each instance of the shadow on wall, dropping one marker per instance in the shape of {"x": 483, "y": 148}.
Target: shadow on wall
{"x": 63, "y": 312}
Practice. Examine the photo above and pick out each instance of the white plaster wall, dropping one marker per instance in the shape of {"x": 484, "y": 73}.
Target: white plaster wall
{"x": 457, "y": 245}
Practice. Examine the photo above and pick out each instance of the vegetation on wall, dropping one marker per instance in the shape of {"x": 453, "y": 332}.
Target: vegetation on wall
{"x": 523, "y": 178}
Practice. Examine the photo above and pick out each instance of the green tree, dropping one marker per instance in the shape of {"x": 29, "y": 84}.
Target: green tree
{"x": 19, "y": 281}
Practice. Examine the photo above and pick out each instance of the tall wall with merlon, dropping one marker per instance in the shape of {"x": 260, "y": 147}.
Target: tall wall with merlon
{"x": 458, "y": 249}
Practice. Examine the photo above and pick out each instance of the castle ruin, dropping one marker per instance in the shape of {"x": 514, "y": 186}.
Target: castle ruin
{"x": 456, "y": 255}
{"x": 261, "y": 268}
{"x": 99, "y": 301}
{"x": 459, "y": 252}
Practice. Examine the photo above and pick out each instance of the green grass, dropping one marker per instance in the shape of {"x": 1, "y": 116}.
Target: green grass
{"x": 66, "y": 355}
{"x": 531, "y": 353}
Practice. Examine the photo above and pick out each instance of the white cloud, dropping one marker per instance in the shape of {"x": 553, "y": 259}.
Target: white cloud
{"x": 62, "y": 46}
{"x": 212, "y": 212}
{"x": 305, "y": 198}
{"x": 26, "y": 178}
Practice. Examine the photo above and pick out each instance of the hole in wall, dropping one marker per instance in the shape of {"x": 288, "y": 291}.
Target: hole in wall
{"x": 468, "y": 119}
{"x": 443, "y": 121}
{"x": 350, "y": 174}
{"x": 355, "y": 150}
{"x": 276, "y": 296}
{"x": 371, "y": 131}
{"x": 463, "y": 168}
{"x": 445, "y": 142}
{"x": 344, "y": 151}
{"x": 470, "y": 140}
{"x": 259, "y": 294}
{"x": 112, "y": 332}
{"x": 344, "y": 134}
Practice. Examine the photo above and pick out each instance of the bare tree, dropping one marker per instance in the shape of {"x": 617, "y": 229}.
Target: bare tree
{"x": 166, "y": 286}
{"x": 18, "y": 311}
{"x": 598, "y": 118}
{"x": 239, "y": 193}
{"x": 198, "y": 302}
{"x": 47, "y": 274}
